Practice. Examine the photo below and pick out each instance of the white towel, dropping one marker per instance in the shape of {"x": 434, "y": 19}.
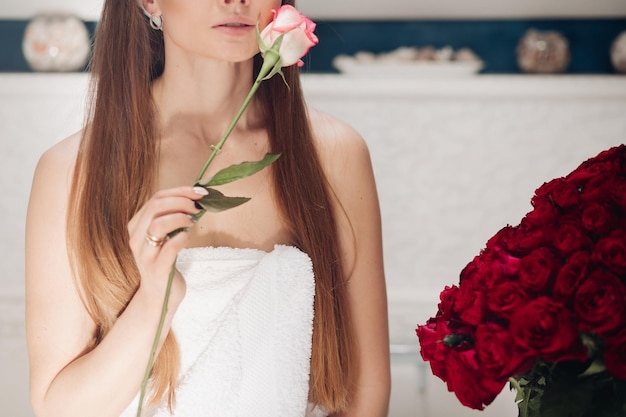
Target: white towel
{"x": 244, "y": 331}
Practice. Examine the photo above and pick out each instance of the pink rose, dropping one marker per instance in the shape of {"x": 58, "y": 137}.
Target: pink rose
{"x": 297, "y": 35}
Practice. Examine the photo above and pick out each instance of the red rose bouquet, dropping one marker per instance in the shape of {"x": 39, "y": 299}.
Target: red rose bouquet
{"x": 543, "y": 306}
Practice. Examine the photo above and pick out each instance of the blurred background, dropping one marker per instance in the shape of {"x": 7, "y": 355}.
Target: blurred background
{"x": 467, "y": 108}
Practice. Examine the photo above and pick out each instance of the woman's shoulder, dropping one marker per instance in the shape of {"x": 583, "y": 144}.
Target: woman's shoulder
{"x": 62, "y": 155}
{"x": 55, "y": 167}
{"x": 342, "y": 150}
{"x": 339, "y": 145}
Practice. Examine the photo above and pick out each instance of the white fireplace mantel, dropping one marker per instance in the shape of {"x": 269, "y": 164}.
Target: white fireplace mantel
{"x": 476, "y": 86}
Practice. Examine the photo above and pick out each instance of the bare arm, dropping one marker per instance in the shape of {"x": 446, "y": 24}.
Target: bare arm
{"x": 66, "y": 380}
{"x": 347, "y": 164}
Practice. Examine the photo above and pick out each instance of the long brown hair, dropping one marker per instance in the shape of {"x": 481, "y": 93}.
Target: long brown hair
{"x": 114, "y": 176}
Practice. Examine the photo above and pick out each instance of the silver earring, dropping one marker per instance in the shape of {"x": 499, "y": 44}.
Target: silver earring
{"x": 156, "y": 22}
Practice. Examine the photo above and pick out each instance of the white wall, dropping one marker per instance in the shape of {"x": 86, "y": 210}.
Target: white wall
{"x": 455, "y": 160}
{"x": 348, "y": 9}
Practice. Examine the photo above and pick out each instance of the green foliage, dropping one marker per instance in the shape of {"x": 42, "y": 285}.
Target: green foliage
{"x": 215, "y": 201}
{"x": 569, "y": 389}
{"x": 239, "y": 171}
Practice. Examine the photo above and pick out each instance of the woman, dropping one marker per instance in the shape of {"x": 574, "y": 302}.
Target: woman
{"x": 169, "y": 75}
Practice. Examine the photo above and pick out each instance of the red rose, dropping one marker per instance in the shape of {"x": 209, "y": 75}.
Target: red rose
{"x": 545, "y": 329}
{"x": 544, "y": 213}
{"x": 571, "y": 237}
{"x": 527, "y": 238}
{"x": 611, "y": 252}
{"x": 500, "y": 239}
{"x": 565, "y": 194}
{"x": 599, "y": 218}
{"x": 468, "y": 382}
{"x": 508, "y": 265}
{"x": 481, "y": 272}
{"x": 506, "y": 298}
{"x": 537, "y": 269}
{"x": 599, "y": 188}
{"x": 618, "y": 193}
{"x": 432, "y": 348}
{"x": 606, "y": 161}
{"x": 470, "y": 303}
{"x": 544, "y": 191}
{"x": 600, "y": 303}
{"x": 497, "y": 354}
{"x": 570, "y": 276}
{"x": 615, "y": 355}
{"x": 446, "y": 304}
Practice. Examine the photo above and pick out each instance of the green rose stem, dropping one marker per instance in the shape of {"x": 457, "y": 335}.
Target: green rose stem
{"x": 271, "y": 65}
{"x": 271, "y": 59}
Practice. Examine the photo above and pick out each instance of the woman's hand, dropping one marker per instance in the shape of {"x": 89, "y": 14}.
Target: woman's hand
{"x": 157, "y": 232}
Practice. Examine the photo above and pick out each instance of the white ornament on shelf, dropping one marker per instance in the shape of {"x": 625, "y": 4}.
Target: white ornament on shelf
{"x": 618, "y": 53}
{"x": 56, "y": 43}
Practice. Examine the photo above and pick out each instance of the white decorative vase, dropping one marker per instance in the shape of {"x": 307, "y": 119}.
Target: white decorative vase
{"x": 56, "y": 43}
{"x": 618, "y": 53}
{"x": 544, "y": 52}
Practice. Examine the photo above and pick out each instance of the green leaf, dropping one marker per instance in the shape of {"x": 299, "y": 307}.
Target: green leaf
{"x": 239, "y": 171}
{"x": 216, "y": 202}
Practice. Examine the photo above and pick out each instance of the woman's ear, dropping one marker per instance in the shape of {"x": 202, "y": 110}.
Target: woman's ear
{"x": 151, "y": 7}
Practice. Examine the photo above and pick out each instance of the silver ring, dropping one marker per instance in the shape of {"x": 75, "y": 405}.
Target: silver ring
{"x": 154, "y": 241}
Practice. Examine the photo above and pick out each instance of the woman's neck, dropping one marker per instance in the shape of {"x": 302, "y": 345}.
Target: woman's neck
{"x": 205, "y": 95}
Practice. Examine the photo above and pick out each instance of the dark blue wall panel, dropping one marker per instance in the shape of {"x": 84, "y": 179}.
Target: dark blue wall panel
{"x": 493, "y": 40}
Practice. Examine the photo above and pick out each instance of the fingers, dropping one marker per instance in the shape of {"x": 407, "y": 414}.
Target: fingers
{"x": 167, "y": 213}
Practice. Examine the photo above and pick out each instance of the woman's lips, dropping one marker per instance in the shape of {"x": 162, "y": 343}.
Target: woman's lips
{"x": 234, "y": 28}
